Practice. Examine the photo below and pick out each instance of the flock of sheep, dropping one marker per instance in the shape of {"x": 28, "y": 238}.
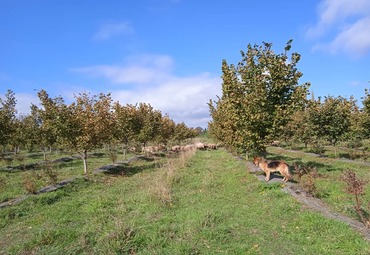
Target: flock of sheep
{"x": 178, "y": 148}
{"x": 198, "y": 146}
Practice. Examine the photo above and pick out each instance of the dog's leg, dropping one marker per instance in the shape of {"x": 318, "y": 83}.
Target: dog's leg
{"x": 267, "y": 175}
{"x": 286, "y": 178}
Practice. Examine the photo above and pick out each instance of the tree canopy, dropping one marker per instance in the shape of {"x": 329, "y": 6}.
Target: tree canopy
{"x": 259, "y": 95}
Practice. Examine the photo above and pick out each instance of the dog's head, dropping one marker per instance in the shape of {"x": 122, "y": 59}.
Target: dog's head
{"x": 257, "y": 160}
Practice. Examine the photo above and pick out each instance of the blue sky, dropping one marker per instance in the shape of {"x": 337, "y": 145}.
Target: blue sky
{"x": 168, "y": 52}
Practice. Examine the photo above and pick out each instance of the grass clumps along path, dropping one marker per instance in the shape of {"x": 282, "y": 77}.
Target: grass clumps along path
{"x": 206, "y": 203}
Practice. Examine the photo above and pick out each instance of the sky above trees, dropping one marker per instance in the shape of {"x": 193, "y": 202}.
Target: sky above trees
{"x": 169, "y": 52}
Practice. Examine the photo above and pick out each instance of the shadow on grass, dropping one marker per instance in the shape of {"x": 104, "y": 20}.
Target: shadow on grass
{"x": 98, "y": 155}
{"x": 20, "y": 168}
{"x": 131, "y": 167}
{"x": 310, "y": 164}
{"x": 35, "y": 155}
{"x": 61, "y": 163}
{"x": 129, "y": 170}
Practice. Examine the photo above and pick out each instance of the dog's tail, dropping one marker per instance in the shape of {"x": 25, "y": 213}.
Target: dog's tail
{"x": 289, "y": 175}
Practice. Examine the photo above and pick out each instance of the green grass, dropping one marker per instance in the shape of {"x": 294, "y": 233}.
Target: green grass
{"x": 356, "y": 150}
{"x": 209, "y": 204}
{"x": 12, "y": 182}
{"x": 330, "y": 187}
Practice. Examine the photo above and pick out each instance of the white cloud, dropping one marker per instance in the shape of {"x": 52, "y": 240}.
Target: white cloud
{"x": 24, "y": 102}
{"x": 109, "y": 30}
{"x": 140, "y": 69}
{"x": 183, "y": 98}
{"x": 344, "y": 25}
{"x": 354, "y": 40}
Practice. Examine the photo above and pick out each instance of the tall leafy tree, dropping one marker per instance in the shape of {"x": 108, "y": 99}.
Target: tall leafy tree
{"x": 127, "y": 125}
{"x": 7, "y": 117}
{"x": 258, "y": 97}
{"x": 365, "y": 115}
{"x": 86, "y": 124}
{"x": 150, "y": 123}
{"x": 46, "y": 118}
{"x": 28, "y": 130}
{"x": 332, "y": 118}
{"x": 166, "y": 130}
{"x": 181, "y": 133}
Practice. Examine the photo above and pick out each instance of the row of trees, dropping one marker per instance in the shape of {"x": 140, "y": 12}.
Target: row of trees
{"x": 262, "y": 101}
{"x": 86, "y": 124}
{"x": 333, "y": 119}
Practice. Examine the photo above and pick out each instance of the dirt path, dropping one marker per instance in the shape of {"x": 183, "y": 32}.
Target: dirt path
{"x": 311, "y": 202}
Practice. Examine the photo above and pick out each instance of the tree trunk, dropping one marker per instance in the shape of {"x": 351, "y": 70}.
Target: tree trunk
{"x": 44, "y": 152}
{"x": 124, "y": 149}
{"x": 84, "y": 159}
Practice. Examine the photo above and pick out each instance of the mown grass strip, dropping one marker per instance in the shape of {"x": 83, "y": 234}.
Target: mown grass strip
{"x": 214, "y": 207}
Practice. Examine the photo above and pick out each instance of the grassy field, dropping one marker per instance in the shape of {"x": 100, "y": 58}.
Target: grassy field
{"x": 33, "y": 173}
{"x": 202, "y": 203}
{"x": 329, "y": 184}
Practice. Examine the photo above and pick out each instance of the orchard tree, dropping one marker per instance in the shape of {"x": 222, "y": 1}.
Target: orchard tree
{"x": 166, "y": 130}
{"x": 365, "y": 115}
{"x": 332, "y": 118}
{"x": 28, "y": 130}
{"x": 149, "y": 122}
{"x": 221, "y": 128}
{"x": 226, "y": 113}
{"x": 181, "y": 133}
{"x": 300, "y": 128}
{"x": 86, "y": 124}
{"x": 46, "y": 118}
{"x": 7, "y": 117}
{"x": 259, "y": 95}
{"x": 126, "y": 124}
{"x": 356, "y": 130}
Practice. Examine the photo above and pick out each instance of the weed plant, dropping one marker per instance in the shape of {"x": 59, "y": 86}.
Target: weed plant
{"x": 355, "y": 187}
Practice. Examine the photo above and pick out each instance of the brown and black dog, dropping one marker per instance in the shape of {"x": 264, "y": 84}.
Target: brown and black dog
{"x": 273, "y": 166}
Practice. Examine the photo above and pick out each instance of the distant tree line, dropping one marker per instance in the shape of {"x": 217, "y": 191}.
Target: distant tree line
{"x": 86, "y": 124}
{"x": 262, "y": 101}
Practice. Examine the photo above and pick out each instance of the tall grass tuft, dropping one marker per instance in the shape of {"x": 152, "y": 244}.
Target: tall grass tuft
{"x": 50, "y": 175}
{"x": 29, "y": 182}
{"x": 167, "y": 176}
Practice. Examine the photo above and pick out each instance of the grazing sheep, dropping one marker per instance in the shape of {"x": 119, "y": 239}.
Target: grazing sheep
{"x": 199, "y": 146}
{"x": 212, "y": 146}
{"x": 160, "y": 147}
{"x": 148, "y": 149}
{"x": 176, "y": 148}
{"x": 132, "y": 149}
{"x": 275, "y": 143}
{"x": 189, "y": 147}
